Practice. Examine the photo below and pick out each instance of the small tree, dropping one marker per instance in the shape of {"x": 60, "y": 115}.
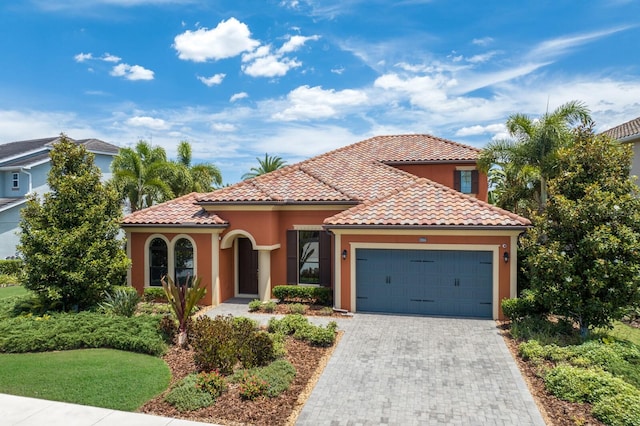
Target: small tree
{"x": 183, "y": 298}
{"x": 584, "y": 260}
{"x": 70, "y": 240}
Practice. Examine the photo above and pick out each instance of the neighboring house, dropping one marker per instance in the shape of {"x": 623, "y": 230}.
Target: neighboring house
{"x": 24, "y": 167}
{"x": 629, "y": 132}
{"x": 391, "y": 224}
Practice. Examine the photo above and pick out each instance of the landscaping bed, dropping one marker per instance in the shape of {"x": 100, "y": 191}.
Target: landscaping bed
{"x": 230, "y": 408}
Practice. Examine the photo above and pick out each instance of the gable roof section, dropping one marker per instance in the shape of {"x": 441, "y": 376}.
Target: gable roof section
{"x": 353, "y": 173}
{"x": 35, "y": 151}
{"x": 426, "y": 203}
{"x": 180, "y": 211}
{"x": 625, "y": 131}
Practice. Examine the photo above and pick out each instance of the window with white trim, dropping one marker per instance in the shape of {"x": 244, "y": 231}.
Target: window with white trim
{"x": 15, "y": 180}
{"x": 183, "y": 260}
{"x": 158, "y": 261}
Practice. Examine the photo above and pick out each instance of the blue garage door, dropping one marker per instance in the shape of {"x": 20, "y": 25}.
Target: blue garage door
{"x": 430, "y": 282}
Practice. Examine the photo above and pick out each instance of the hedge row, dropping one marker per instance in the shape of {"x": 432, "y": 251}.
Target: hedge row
{"x": 11, "y": 266}
{"x": 299, "y": 293}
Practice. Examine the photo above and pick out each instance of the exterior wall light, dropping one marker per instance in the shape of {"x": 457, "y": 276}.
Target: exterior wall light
{"x": 344, "y": 254}
{"x": 505, "y": 256}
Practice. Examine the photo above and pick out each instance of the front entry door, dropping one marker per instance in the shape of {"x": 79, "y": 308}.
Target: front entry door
{"x": 247, "y": 267}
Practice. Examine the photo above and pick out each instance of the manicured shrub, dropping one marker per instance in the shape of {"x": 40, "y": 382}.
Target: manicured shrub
{"x": 306, "y": 294}
{"x": 121, "y": 301}
{"x": 269, "y": 306}
{"x": 531, "y": 350}
{"x": 211, "y": 382}
{"x": 9, "y": 279}
{"x": 64, "y": 331}
{"x": 255, "y": 305}
{"x": 252, "y": 387}
{"x": 154, "y": 294}
{"x": 213, "y": 344}
{"x": 168, "y": 327}
{"x": 584, "y": 385}
{"x": 618, "y": 410}
{"x": 522, "y": 307}
{"x": 297, "y": 308}
{"x": 187, "y": 396}
{"x": 326, "y": 311}
{"x": 301, "y": 329}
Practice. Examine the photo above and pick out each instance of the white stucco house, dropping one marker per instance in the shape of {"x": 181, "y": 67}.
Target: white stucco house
{"x": 629, "y": 132}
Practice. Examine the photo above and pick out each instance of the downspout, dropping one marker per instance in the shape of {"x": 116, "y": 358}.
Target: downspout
{"x": 24, "y": 170}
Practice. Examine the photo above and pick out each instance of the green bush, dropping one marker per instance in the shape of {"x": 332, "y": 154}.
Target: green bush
{"x": 255, "y": 305}
{"x": 522, "y": 307}
{"x": 541, "y": 329}
{"x": 121, "y": 301}
{"x": 269, "y": 306}
{"x": 11, "y": 266}
{"x": 584, "y": 385}
{"x": 326, "y": 311}
{"x": 252, "y": 387}
{"x": 168, "y": 327}
{"x": 211, "y": 382}
{"x": 278, "y": 375}
{"x": 531, "y": 350}
{"x": 64, "y": 331}
{"x": 186, "y": 396}
{"x": 618, "y": 410}
{"x": 301, "y": 329}
{"x": 299, "y": 293}
{"x": 213, "y": 344}
{"x": 154, "y": 294}
{"x": 297, "y": 308}
{"x": 8, "y": 279}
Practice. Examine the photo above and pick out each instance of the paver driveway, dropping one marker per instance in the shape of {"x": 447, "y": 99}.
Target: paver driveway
{"x": 404, "y": 370}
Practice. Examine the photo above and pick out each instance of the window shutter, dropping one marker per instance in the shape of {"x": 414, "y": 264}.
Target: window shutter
{"x": 456, "y": 180}
{"x": 292, "y": 257}
{"x": 474, "y": 181}
{"x": 325, "y": 258}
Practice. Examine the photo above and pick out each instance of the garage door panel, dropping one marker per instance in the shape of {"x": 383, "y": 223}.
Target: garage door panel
{"x": 432, "y": 282}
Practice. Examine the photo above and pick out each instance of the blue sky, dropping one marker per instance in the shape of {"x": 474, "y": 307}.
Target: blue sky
{"x": 296, "y": 78}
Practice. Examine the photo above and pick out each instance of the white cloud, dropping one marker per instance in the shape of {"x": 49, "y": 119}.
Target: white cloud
{"x": 482, "y": 41}
{"x": 107, "y": 57}
{"x": 81, "y": 57}
{"x": 296, "y": 42}
{"x": 270, "y": 66}
{"x": 238, "y": 96}
{"x": 228, "y": 39}
{"x": 132, "y": 72}
{"x": 316, "y": 103}
{"x": 213, "y": 80}
{"x": 560, "y": 45}
{"x": 484, "y": 57}
{"x": 223, "y": 127}
{"x": 148, "y": 122}
{"x": 480, "y": 130}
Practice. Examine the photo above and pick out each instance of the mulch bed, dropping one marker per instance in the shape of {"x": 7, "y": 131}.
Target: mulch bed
{"x": 230, "y": 409}
{"x": 555, "y": 411}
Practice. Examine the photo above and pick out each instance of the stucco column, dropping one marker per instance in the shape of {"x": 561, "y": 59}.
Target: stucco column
{"x": 264, "y": 275}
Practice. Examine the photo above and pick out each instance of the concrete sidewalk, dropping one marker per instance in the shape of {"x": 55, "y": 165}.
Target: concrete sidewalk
{"x": 23, "y": 411}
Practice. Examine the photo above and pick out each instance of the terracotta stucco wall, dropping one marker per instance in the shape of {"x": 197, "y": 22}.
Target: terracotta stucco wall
{"x": 443, "y": 173}
{"x": 504, "y": 280}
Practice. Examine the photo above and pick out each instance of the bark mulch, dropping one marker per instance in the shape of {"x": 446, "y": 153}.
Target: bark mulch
{"x": 230, "y": 409}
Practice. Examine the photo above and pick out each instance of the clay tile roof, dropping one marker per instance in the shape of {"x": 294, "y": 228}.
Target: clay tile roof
{"x": 426, "y": 203}
{"x": 625, "y": 130}
{"x": 353, "y": 173}
{"x": 179, "y": 211}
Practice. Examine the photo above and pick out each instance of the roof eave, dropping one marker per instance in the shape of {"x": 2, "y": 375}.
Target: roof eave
{"x": 173, "y": 225}
{"x": 276, "y": 203}
{"x": 421, "y": 162}
{"x": 438, "y": 227}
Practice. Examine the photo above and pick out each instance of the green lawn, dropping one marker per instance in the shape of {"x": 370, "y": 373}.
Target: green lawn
{"x": 98, "y": 377}
{"x": 623, "y": 331}
{"x": 16, "y": 290}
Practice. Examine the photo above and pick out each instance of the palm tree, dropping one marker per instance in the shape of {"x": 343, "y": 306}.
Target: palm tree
{"x": 184, "y": 177}
{"x": 137, "y": 173}
{"x": 532, "y": 150}
{"x": 269, "y": 164}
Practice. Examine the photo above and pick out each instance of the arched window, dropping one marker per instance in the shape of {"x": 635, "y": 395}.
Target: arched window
{"x": 158, "y": 261}
{"x": 183, "y": 252}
